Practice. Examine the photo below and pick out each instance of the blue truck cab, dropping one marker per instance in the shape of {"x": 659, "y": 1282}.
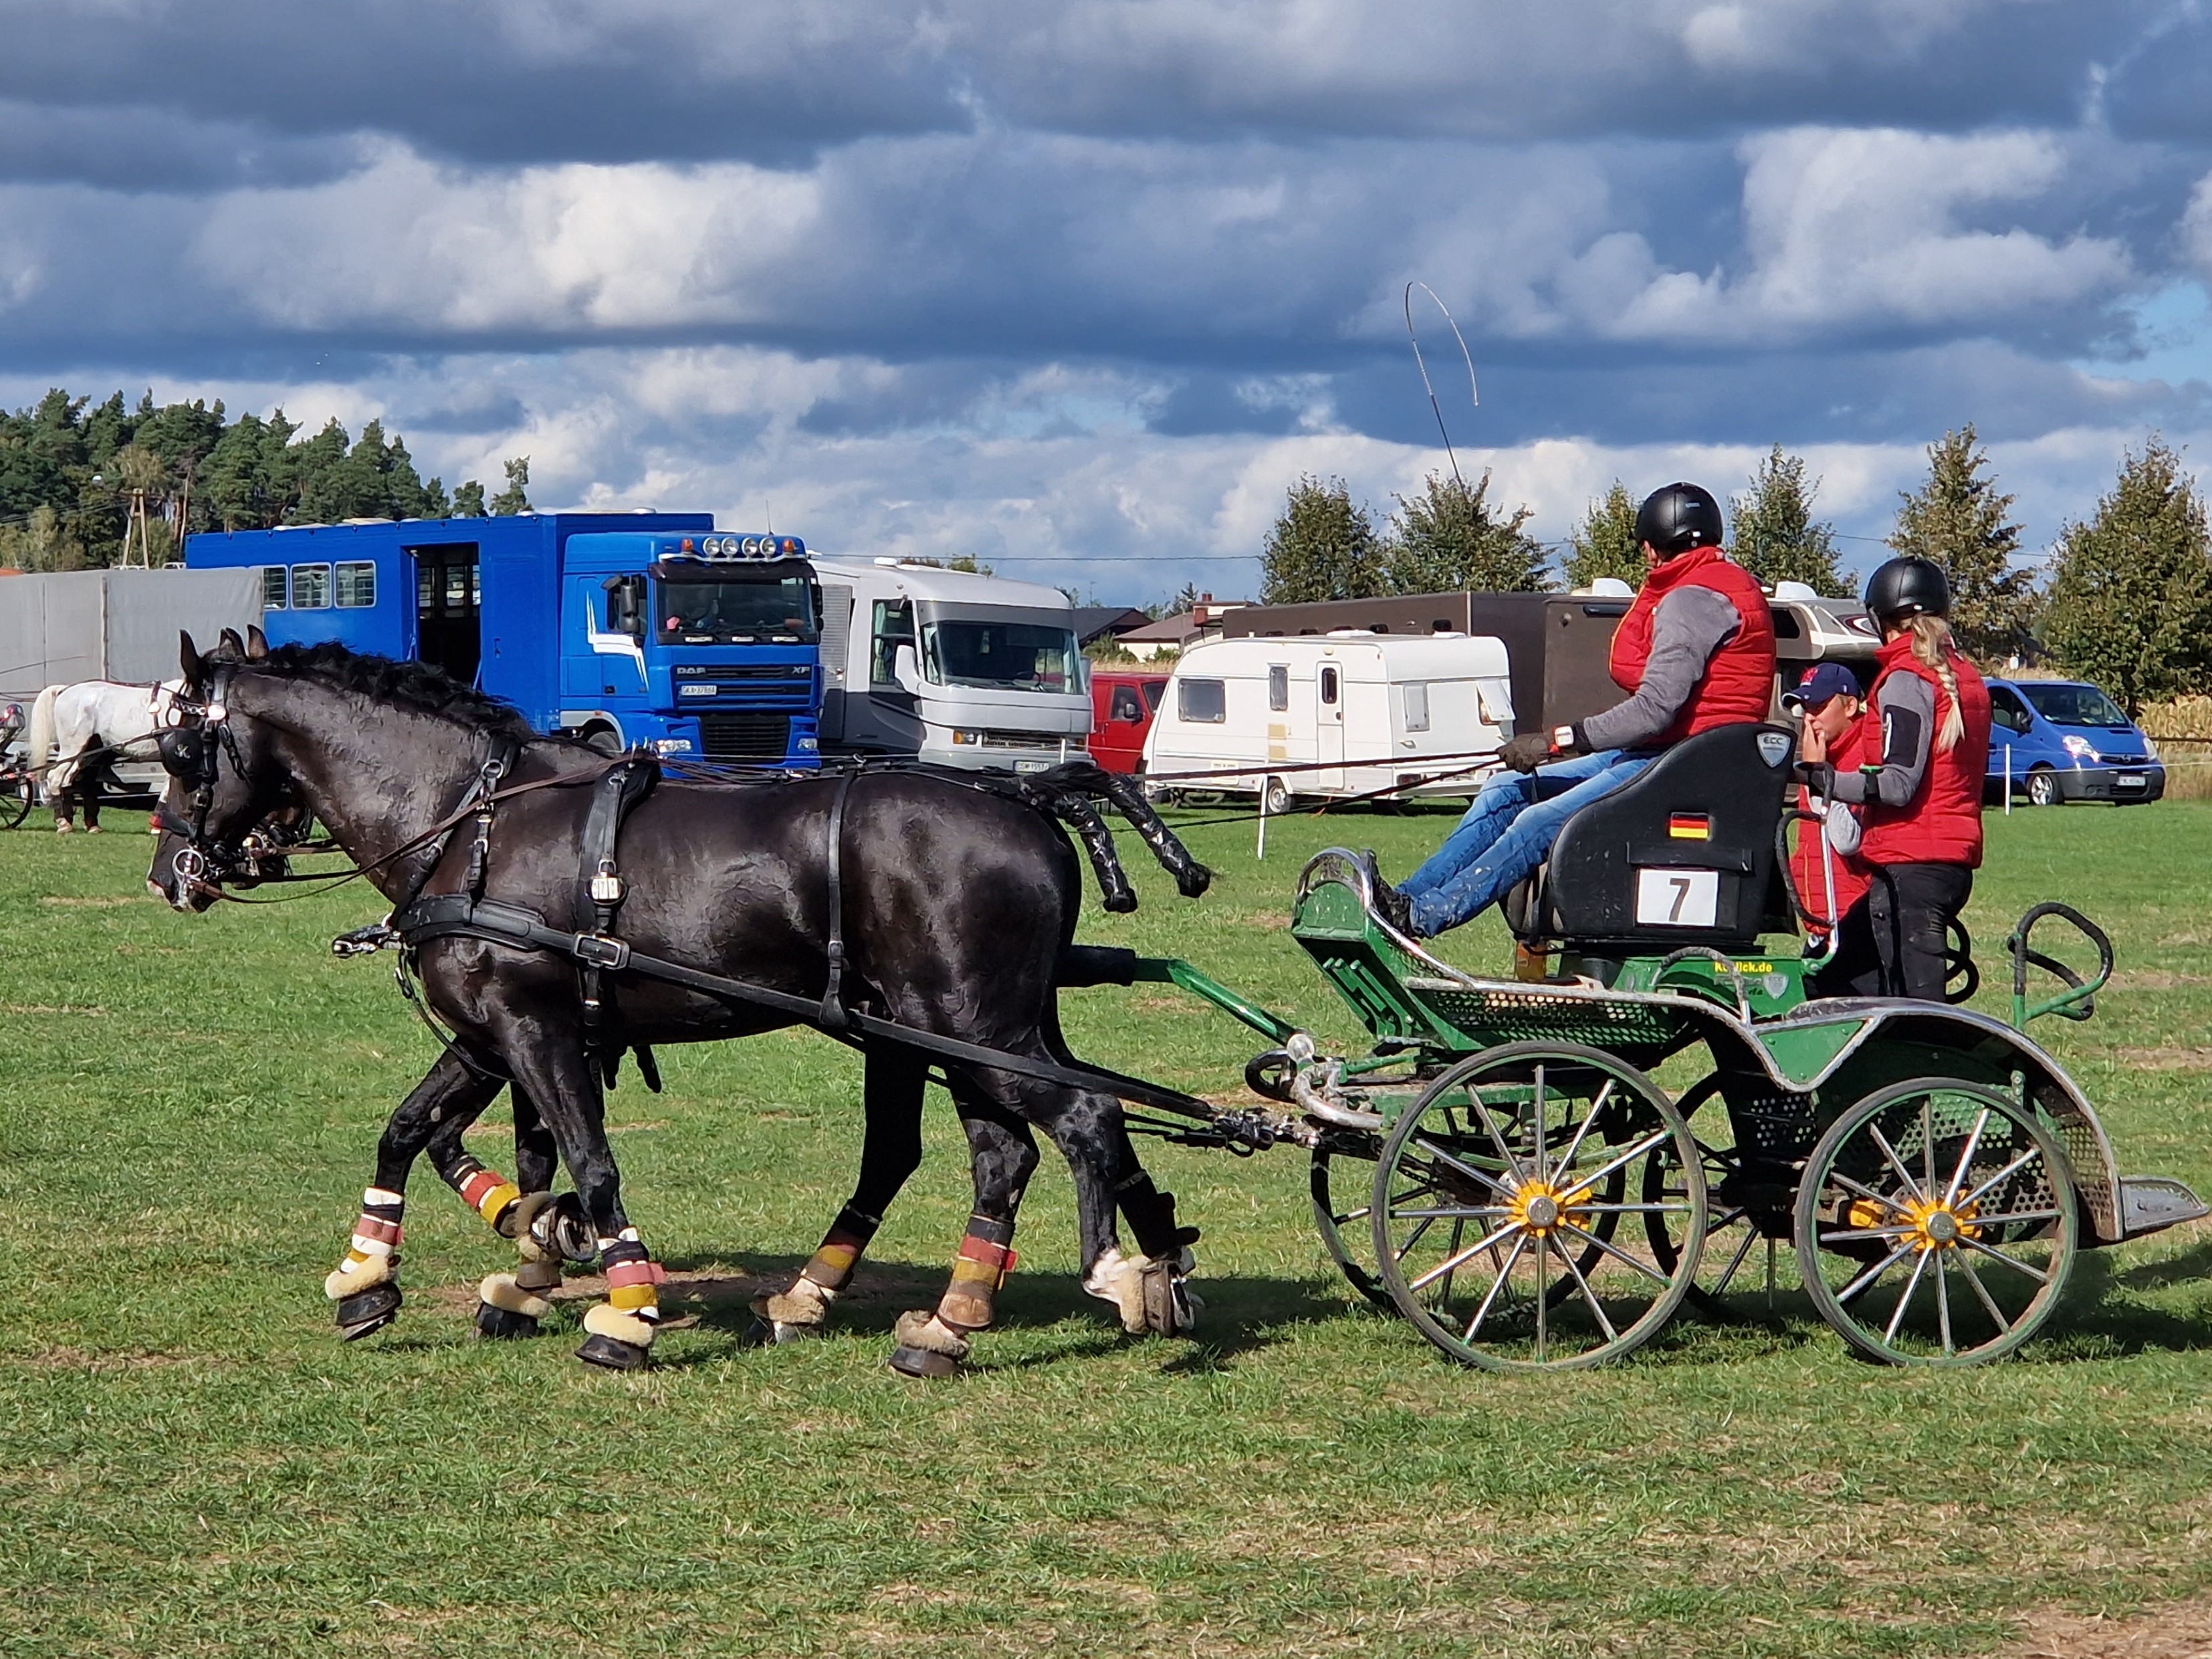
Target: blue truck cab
{"x": 648, "y": 630}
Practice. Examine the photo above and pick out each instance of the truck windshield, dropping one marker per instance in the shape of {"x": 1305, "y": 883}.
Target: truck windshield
{"x": 999, "y": 656}
{"x": 779, "y": 610}
{"x": 2072, "y": 705}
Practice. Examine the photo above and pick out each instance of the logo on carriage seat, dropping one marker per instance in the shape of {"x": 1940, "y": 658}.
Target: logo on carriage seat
{"x": 1774, "y": 747}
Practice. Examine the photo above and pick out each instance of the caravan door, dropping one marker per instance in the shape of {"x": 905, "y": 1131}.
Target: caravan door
{"x": 1329, "y": 728}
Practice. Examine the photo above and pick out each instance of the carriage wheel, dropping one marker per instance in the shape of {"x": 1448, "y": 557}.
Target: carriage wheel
{"x": 1344, "y": 1161}
{"x": 1936, "y": 1224}
{"x": 1498, "y": 1200}
{"x": 1732, "y": 1257}
{"x": 17, "y": 794}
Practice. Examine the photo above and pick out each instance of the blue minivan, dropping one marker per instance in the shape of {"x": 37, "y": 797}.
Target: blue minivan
{"x": 2063, "y": 740}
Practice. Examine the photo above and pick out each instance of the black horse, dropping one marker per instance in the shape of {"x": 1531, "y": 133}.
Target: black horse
{"x": 958, "y": 901}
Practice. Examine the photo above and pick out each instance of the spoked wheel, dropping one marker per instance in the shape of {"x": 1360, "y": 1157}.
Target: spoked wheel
{"x": 1499, "y": 1201}
{"x": 1737, "y": 1200}
{"x": 1936, "y": 1224}
{"x": 1342, "y": 1178}
{"x": 17, "y": 793}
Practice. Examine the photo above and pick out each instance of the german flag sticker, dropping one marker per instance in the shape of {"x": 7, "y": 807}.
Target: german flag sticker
{"x": 1689, "y": 826}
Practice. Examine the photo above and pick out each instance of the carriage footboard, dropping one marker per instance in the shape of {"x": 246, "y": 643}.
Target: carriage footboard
{"x": 2150, "y": 1204}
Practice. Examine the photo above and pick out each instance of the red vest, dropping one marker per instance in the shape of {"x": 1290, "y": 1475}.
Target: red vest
{"x": 1738, "y": 684}
{"x": 1942, "y": 824}
{"x": 1808, "y": 861}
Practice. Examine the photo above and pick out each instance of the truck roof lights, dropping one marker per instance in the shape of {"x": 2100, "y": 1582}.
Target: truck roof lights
{"x": 741, "y": 548}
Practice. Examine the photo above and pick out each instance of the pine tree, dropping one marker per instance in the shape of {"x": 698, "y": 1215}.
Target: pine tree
{"x": 1323, "y": 547}
{"x": 2130, "y": 599}
{"x": 1451, "y": 539}
{"x": 1776, "y": 537}
{"x": 1957, "y": 519}
{"x": 515, "y": 498}
{"x": 468, "y": 500}
{"x": 1604, "y": 544}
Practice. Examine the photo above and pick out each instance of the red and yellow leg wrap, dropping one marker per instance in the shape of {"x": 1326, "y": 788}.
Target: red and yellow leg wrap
{"x": 487, "y": 1192}
{"x": 371, "y": 1255}
{"x": 633, "y": 1280}
{"x": 983, "y": 1266}
{"x": 831, "y": 1265}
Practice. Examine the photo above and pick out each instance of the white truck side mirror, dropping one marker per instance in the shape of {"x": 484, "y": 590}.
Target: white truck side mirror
{"x": 905, "y": 670}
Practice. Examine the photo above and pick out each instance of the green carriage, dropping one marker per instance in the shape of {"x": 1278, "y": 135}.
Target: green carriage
{"x": 1503, "y": 1169}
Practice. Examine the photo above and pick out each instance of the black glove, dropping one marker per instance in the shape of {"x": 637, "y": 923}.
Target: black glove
{"x": 1526, "y": 752}
{"x": 1817, "y": 775}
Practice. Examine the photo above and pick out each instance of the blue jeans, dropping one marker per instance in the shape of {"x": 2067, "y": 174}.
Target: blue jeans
{"x": 1507, "y": 833}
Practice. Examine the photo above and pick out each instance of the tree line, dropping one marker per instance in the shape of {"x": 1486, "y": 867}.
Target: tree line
{"x": 70, "y": 469}
{"x": 2127, "y": 602}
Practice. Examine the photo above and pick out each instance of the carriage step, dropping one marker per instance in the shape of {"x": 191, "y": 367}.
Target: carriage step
{"x": 2149, "y": 1204}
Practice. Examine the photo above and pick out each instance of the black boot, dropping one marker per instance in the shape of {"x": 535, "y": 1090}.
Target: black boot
{"x": 1393, "y": 906}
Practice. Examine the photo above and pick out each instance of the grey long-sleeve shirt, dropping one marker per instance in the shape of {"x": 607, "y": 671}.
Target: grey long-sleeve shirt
{"x": 1908, "y": 731}
{"x": 1689, "y": 625}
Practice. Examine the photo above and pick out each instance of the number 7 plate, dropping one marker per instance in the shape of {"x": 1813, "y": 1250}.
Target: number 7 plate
{"x": 1677, "y": 898}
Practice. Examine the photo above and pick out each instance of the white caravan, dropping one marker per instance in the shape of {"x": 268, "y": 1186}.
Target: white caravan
{"x": 1342, "y": 714}
{"x": 957, "y": 667}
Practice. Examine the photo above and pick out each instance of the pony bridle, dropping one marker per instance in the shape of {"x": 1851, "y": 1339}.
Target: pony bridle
{"x": 192, "y": 747}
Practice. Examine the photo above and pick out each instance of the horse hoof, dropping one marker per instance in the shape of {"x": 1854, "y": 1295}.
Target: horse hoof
{"x": 923, "y": 1362}
{"x": 1169, "y": 1304}
{"x": 611, "y": 1353}
{"x": 91, "y": 828}
{"x": 498, "y": 1324}
{"x": 368, "y": 1311}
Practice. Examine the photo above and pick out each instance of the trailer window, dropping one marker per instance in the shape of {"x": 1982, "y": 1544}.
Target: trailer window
{"x": 1279, "y": 687}
{"x": 1417, "y": 706}
{"x": 273, "y": 586}
{"x": 1204, "y": 701}
{"x": 311, "y": 587}
{"x": 356, "y": 585}
{"x": 894, "y": 628}
{"x": 1328, "y": 685}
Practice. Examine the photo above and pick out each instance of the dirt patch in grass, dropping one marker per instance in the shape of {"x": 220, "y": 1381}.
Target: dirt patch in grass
{"x": 2155, "y": 979}
{"x": 59, "y": 1357}
{"x": 61, "y": 903}
{"x": 2170, "y": 1057}
{"x": 2181, "y": 1630}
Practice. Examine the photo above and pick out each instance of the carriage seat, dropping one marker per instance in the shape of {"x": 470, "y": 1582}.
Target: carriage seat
{"x": 1684, "y": 855}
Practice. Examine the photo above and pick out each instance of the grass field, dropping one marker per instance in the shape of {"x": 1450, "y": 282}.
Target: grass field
{"x": 193, "y": 1464}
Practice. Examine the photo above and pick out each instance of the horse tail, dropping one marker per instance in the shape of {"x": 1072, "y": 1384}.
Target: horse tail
{"x": 1074, "y": 785}
{"x": 42, "y": 732}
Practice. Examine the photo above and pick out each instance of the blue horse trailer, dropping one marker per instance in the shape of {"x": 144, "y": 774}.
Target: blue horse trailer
{"x": 625, "y": 629}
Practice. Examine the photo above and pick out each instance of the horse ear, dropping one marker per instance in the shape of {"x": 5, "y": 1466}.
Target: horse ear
{"x": 189, "y": 658}
{"x": 256, "y": 644}
{"x": 231, "y": 643}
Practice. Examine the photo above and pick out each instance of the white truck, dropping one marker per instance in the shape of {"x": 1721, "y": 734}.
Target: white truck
{"x": 957, "y": 667}
{"x": 1342, "y": 714}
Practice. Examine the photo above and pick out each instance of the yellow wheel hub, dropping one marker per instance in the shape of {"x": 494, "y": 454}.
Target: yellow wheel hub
{"x": 1544, "y": 1206}
{"x": 1933, "y": 1224}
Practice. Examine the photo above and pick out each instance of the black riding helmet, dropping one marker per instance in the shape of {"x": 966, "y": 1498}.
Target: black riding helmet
{"x": 1908, "y": 587}
{"x": 1679, "y": 517}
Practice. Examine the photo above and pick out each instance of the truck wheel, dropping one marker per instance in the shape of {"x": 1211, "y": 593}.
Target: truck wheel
{"x": 602, "y": 738}
{"x": 2043, "y": 788}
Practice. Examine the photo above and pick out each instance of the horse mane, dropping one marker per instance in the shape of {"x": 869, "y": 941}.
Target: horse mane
{"x": 410, "y": 685}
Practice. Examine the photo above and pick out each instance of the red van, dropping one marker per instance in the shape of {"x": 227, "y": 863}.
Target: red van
{"x": 1122, "y": 701}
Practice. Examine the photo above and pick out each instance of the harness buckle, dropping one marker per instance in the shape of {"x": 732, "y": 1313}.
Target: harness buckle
{"x": 599, "y": 950}
{"x": 606, "y": 886}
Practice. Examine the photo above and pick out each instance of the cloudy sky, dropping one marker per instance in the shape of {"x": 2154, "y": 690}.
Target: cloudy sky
{"x": 1081, "y": 288}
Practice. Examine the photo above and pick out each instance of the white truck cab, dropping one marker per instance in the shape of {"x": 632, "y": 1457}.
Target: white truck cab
{"x": 952, "y": 665}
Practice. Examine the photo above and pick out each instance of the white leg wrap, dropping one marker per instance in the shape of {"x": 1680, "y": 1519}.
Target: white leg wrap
{"x": 354, "y": 1276}
{"x": 501, "y": 1290}
{"x": 1119, "y": 1279}
{"x": 600, "y": 1320}
{"x": 926, "y": 1331}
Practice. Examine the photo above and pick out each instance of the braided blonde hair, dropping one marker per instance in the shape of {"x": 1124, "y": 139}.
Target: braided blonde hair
{"x": 1932, "y": 648}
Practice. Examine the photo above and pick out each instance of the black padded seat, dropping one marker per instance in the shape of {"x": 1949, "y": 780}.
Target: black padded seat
{"x": 1684, "y": 855}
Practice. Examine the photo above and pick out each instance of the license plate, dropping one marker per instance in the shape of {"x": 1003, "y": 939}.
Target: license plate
{"x": 1032, "y": 766}
{"x": 2129, "y": 780}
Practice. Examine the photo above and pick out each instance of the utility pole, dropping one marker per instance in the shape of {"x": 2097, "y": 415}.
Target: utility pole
{"x": 134, "y": 527}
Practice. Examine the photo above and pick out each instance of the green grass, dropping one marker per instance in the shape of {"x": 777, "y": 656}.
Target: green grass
{"x": 192, "y": 1463}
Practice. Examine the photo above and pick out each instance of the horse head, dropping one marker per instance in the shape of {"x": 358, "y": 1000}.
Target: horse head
{"x": 231, "y": 804}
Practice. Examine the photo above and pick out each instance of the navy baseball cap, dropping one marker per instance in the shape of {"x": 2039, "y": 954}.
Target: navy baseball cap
{"x": 1822, "y": 682}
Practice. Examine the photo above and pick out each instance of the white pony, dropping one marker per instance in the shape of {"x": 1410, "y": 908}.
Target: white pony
{"x": 78, "y": 730}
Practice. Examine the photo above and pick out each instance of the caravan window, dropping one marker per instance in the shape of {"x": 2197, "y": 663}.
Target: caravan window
{"x": 1279, "y": 687}
{"x": 1328, "y": 685}
{"x": 356, "y": 586}
{"x": 272, "y": 586}
{"x": 1417, "y": 706}
{"x": 311, "y": 587}
{"x": 1205, "y": 701}
{"x": 894, "y": 628}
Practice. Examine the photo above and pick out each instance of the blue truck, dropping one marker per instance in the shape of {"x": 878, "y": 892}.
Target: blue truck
{"x": 648, "y": 630}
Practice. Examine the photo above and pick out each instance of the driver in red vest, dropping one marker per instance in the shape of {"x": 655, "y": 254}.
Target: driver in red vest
{"x": 1695, "y": 651}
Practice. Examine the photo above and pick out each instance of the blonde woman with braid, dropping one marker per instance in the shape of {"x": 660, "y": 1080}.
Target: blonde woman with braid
{"x": 1928, "y": 720}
